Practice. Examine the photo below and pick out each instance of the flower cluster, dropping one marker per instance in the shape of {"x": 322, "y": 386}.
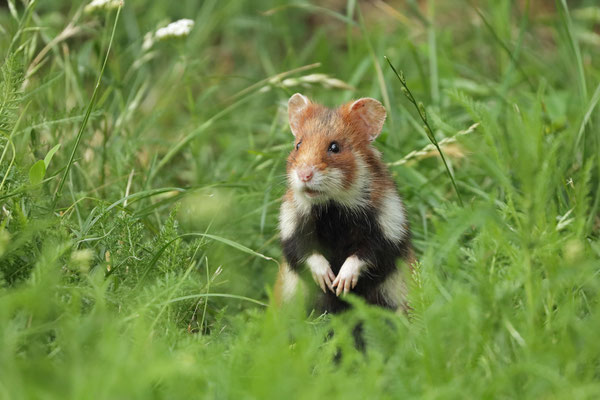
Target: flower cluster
{"x": 102, "y": 5}
{"x": 183, "y": 27}
{"x": 180, "y": 28}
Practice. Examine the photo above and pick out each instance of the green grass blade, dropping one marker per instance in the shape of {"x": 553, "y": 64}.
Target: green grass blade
{"x": 586, "y": 118}
{"x": 88, "y": 110}
{"x": 376, "y": 65}
{"x": 565, "y": 19}
{"x": 225, "y": 295}
{"x": 432, "y": 49}
{"x": 504, "y": 46}
{"x": 422, "y": 113}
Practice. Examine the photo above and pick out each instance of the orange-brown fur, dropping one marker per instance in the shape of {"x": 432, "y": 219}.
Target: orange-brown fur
{"x": 320, "y": 126}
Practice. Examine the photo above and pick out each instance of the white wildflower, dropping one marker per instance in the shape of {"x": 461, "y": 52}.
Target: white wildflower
{"x": 180, "y": 28}
{"x": 98, "y": 5}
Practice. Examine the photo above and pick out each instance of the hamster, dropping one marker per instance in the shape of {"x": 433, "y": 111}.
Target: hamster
{"x": 342, "y": 215}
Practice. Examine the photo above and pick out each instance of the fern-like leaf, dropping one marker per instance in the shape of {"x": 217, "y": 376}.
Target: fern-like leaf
{"x": 10, "y": 93}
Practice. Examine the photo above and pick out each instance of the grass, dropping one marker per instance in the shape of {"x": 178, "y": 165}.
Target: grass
{"x": 150, "y": 274}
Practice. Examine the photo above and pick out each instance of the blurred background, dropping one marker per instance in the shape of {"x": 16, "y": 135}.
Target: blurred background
{"x": 166, "y": 187}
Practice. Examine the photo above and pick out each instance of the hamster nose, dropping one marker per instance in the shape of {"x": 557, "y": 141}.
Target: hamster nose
{"x": 305, "y": 173}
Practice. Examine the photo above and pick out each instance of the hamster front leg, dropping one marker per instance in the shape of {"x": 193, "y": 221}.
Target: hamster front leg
{"x": 321, "y": 271}
{"x": 347, "y": 278}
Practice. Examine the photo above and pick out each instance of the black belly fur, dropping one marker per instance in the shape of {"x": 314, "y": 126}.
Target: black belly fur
{"x": 337, "y": 233}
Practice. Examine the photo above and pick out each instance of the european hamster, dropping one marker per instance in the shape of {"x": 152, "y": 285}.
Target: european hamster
{"x": 342, "y": 215}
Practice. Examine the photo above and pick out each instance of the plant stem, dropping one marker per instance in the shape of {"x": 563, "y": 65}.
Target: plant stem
{"x": 88, "y": 111}
{"x": 422, "y": 113}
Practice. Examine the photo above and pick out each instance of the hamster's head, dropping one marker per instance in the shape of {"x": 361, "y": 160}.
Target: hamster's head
{"x": 329, "y": 158}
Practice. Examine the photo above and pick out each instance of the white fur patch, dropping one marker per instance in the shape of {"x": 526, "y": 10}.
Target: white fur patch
{"x": 353, "y": 265}
{"x": 357, "y": 195}
{"x": 321, "y": 271}
{"x": 393, "y": 289}
{"x": 392, "y": 217}
{"x": 351, "y": 268}
{"x": 288, "y": 220}
{"x": 347, "y": 278}
{"x": 290, "y": 282}
{"x": 318, "y": 264}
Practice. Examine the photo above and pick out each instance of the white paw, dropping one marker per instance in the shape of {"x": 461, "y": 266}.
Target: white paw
{"x": 347, "y": 278}
{"x": 321, "y": 271}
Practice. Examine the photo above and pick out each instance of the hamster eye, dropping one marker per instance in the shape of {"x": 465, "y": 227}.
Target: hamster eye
{"x": 334, "y": 147}
{"x": 298, "y": 145}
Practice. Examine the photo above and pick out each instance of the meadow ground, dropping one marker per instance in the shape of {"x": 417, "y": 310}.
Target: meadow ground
{"x": 138, "y": 227}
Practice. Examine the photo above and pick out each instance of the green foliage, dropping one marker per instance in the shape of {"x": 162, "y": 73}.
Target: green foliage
{"x": 139, "y": 195}
{"x": 37, "y": 172}
{"x": 10, "y": 92}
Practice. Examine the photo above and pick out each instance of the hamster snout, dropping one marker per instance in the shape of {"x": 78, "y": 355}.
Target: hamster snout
{"x": 310, "y": 181}
{"x": 305, "y": 173}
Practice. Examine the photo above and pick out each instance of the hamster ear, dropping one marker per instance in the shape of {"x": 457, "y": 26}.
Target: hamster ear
{"x": 368, "y": 115}
{"x": 297, "y": 104}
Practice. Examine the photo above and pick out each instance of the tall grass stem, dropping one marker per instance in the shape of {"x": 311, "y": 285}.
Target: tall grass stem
{"x": 423, "y": 115}
{"x": 88, "y": 111}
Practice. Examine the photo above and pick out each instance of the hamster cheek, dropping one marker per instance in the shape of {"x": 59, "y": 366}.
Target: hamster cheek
{"x": 345, "y": 167}
{"x": 334, "y": 180}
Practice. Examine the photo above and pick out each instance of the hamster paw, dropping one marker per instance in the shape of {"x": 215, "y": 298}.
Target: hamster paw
{"x": 321, "y": 271}
{"x": 347, "y": 278}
